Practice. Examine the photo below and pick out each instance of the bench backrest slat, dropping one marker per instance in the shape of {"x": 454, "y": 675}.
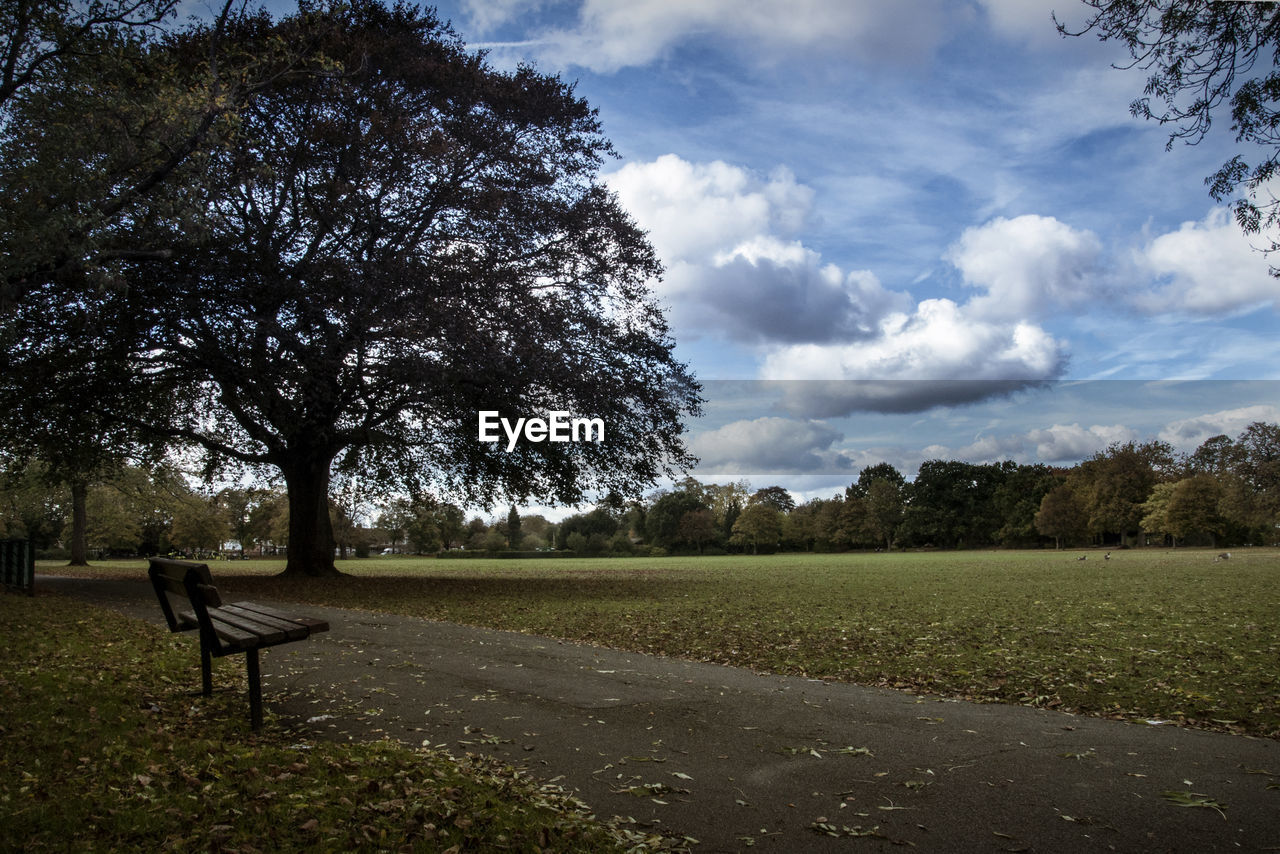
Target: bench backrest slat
{"x": 193, "y": 582}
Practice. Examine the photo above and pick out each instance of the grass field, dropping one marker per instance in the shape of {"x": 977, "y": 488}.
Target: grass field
{"x": 1150, "y": 634}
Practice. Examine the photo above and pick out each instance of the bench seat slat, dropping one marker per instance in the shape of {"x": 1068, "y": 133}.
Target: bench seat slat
{"x": 312, "y": 624}
{"x": 265, "y": 633}
{"x": 228, "y": 633}
{"x": 291, "y": 629}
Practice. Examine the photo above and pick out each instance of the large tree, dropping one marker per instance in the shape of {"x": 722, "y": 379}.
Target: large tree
{"x": 1204, "y": 57}
{"x": 392, "y": 243}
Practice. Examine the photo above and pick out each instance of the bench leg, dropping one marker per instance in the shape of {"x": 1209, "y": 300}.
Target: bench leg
{"x": 206, "y": 671}
{"x": 255, "y": 689}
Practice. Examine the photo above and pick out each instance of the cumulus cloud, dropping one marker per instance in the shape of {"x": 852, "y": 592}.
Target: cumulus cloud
{"x": 1059, "y": 444}
{"x": 606, "y": 35}
{"x": 1068, "y": 442}
{"x": 770, "y": 445}
{"x": 940, "y": 343}
{"x": 1187, "y": 434}
{"x": 695, "y": 211}
{"x": 944, "y": 353}
{"x": 1207, "y": 267}
{"x": 1027, "y": 265}
{"x": 725, "y": 234}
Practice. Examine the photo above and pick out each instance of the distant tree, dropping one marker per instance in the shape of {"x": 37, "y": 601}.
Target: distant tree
{"x": 422, "y": 531}
{"x": 1017, "y": 501}
{"x": 238, "y": 504}
{"x": 1113, "y": 485}
{"x": 879, "y": 471}
{"x": 1193, "y": 508}
{"x": 394, "y": 520}
{"x": 759, "y": 525}
{"x": 1216, "y": 456}
{"x": 1155, "y": 511}
{"x": 776, "y": 497}
{"x": 1061, "y": 516}
{"x": 953, "y": 504}
{"x": 884, "y": 509}
{"x": 849, "y": 521}
{"x": 725, "y": 501}
{"x": 199, "y": 524}
{"x": 1259, "y": 466}
{"x": 826, "y": 525}
{"x": 31, "y": 508}
{"x": 662, "y": 522}
{"x": 698, "y": 528}
{"x": 798, "y": 527}
{"x": 111, "y": 526}
{"x": 450, "y": 520}
{"x": 514, "y": 536}
{"x": 598, "y": 521}
{"x": 271, "y": 519}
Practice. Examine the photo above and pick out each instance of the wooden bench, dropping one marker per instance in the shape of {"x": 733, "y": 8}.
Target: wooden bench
{"x": 240, "y": 627}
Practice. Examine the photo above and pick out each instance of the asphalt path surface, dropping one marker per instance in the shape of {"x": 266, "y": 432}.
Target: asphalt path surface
{"x": 746, "y": 762}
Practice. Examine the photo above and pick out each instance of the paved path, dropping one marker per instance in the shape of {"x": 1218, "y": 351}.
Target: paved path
{"x": 741, "y": 761}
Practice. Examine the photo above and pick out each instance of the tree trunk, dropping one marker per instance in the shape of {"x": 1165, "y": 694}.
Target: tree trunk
{"x": 311, "y": 542}
{"x": 79, "y": 523}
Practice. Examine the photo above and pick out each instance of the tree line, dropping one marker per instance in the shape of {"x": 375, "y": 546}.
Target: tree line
{"x": 1226, "y": 492}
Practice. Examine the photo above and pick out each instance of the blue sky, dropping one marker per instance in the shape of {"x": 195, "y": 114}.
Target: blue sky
{"x": 921, "y": 194}
{"x": 931, "y": 192}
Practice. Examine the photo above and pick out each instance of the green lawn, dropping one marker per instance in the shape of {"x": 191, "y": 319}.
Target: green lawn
{"x": 103, "y": 748}
{"x": 1149, "y": 634}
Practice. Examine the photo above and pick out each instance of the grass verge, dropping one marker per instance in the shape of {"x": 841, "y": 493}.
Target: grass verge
{"x": 103, "y": 748}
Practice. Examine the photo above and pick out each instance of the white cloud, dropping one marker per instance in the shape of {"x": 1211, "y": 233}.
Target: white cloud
{"x": 1207, "y": 267}
{"x": 769, "y": 444}
{"x": 1069, "y": 442}
{"x": 1027, "y": 265}
{"x": 940, "y": 340}
{"x": 1187, "y": 434}
{"x": 694, "y": 211}
{"x": 1059, "y": 444}
{"x": 725, "y": 234}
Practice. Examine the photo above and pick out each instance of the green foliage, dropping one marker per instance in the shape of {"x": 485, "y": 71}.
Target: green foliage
{"x": 760, "y": 527}
{"x": 1193, "y": 508}
{"x": 106, "y": 749}
{"x": 662, "y": 522}
{"x": 776, "y": 497}
{"x": 599, "y": 521}
{"x": 697, "y": 528}
{"x": 1061, "y": 516}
